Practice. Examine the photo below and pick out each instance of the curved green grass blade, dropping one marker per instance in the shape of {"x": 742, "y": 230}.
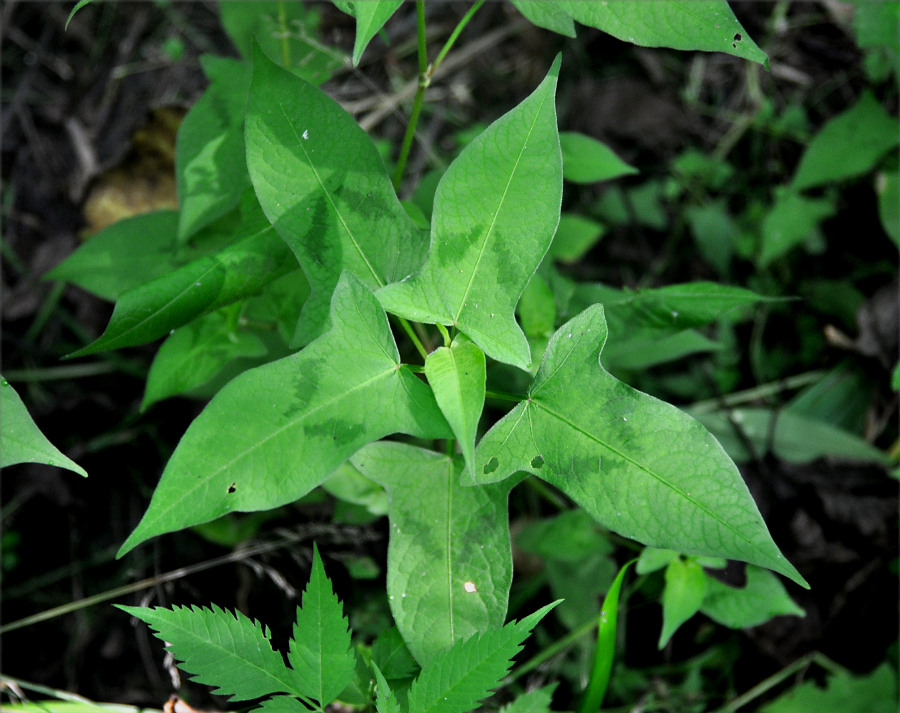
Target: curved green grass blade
{"x": 638, "y": 465}
{"x": 495, "y": 213}
{"x": 323, "y": 185}
{"x": 276, "y": 432}
{"x": 449, "y": 557}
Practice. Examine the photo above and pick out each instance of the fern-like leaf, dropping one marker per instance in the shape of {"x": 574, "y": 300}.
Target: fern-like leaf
{"x": 320, "y": 650}
{"x": 221, "y": 649}
{"x": 455, "y": 680}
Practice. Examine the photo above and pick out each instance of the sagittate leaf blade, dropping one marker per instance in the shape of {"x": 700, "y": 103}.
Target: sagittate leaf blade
{"x": 276, "y": 432}
{"x": 21, "y": 441}
{"x": 707, "y": 25}
{"x": 449, "y": 557}
{"x": 457, "y": 679}
{"x": 320, "y": 651}
{"x": 457, "y": 375}
{"x": 324, "y": 187}
{"x": 153, "y": 309}
{"x": 495, "y": 212}
{"x": 638, "y": 465}
{"x": 221, "y": 649}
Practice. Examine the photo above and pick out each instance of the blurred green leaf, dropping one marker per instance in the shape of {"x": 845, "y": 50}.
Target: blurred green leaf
{"x": 587, "y": 160}
{"x": 761, "y": 598}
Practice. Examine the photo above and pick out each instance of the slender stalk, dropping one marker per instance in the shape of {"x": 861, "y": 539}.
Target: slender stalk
{"x": 284, "y": 34}
{"x": 453, "y": 36}
{"x": 757, "y": 392}
{"x": 444, "y": 333}
{"x": 418, "y": 100}
{"x": 52, "y": 373}
{"x": 411, "y": 333}
{"x": 503, "y": 396}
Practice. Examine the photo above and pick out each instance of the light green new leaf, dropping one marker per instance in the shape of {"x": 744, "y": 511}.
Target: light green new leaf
{"x": 21, "y": 441}
{"x": 457, "y": 376}
{"x": 153, "y": 309}
{"x": 586, "y": 160}
{"x": 682, "y": 597}
{"x": 370, "y": 18}
{"x": 320, "y": 651}
{"x": 210, "y": 163}
{"x": 276, "y": 432}
{"x": 756, "y": 602}
{"x": 449, "y": 557}
{"x": 221, "y": 649}
{"x": 638, "y": 465}
{"x": 457, "y": 679}
{"x": 707, "y": 25}
{"x": 324, "y": 187}
{"x": 544, "y": 13}
{"x": 860, "y": 137}
{"x": 124, "y": 255}
{"x": 495, "y": 213}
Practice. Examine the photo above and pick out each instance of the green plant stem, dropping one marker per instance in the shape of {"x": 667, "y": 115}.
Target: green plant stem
{"x": 411, "y": 333}
{"x": 444, "y": 333}
{"x": 503, "y": 396}
{"x": 53, "y": 373}
{"x": 453, "y": 36}
{"x": 283, "y": 31}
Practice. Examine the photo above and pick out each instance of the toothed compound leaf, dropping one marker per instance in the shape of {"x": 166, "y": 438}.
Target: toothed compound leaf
{"x": 449, "y": 558}
{"x": 21, "y": 441}
{"x": 276, "y": 432}
{"x": 457, "y": 679}
{"x": 228, "y": 651}
{"x": 385, "y": 699}
{"x": 320, "y": 651}
{"x": 495, "y": 212}
{"x": 639, "y": 466}
{"x": 707, "y": 25}
{"x": 457, "y": 376}
{"x": 324, "y": 187}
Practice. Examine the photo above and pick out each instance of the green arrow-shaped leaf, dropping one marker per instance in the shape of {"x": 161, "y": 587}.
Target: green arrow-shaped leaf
{"x": 495, "y": 212}
{"x": 449, "y": 558}
{"x": 457, "y": 376}
{"x": 640, "y": 466}
{"x": 324, "y": 187}
{"x": 707, "y": 25}
{"x": 370, "y": 18}
{"x": 276, "y": 432}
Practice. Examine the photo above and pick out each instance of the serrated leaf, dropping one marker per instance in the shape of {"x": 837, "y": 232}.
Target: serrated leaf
{"x": 860, "y": 136}
{"x": 281, "y": 704}
{"x": 536, "y": 701}
{"x": 320, "y": 651}
{"x": 371, "y": 15}
{"x": 276, "y": 432}
{"x": 449, "y": 557}
{"x": 153, "y": 309}
{"x": 124, "y": 255}
{"x": 587, "y": 160}
{"x": 763, "y": 597}
{"x": 457, "y": 679}
{"x": 707, "y": 25}
{"x": 21, "y": 441}
{"x": 495, "y": 212}
{"x": 457, "y": 376}
{"x": 544, "y": 13}
{"x": 385, "y": 699}
{"x": 638, "y": 465}
{"x": 210, "y": 163}
{"x": 324, "y": 187}
{"x": 682, "y": 597}
{"x": 228, "y": 651}
{"x": 873, "y": 693}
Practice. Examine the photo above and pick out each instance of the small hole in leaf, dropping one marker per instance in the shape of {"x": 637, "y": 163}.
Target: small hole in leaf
{"x": 537, "y": 462}
{"x": 491, "y": 465}
{"x": 232, "y": 488}
{"x": 737, "y": 38}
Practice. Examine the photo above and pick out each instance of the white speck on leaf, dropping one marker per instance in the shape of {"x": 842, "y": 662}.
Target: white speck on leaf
{"x": 305, "y": 134}
{"x": 470, "y": 587}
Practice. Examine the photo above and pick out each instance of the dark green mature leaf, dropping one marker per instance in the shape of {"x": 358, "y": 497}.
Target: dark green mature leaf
{"x": 495, "y": 212}
{"x": 320, "y": 651}
{"x": 210, "y": 163}
{"x": 391, "y": 655}
{"x": 228, "y": 651}
{"x": 21, "y": 441}
{"x": 276, "y": 432}
{"x": 639, "y": 466}
{"x": 586, "y": 160}
{"x": 707, "y": 25}
{"x": 126, "y": 254}
{"x": 761, "y": 598}
{"x": 860, "y": 136}
{"x": 155, "y": 308}
{"x": 457, "y": 679}
{"x": 324, "y": 186}
{"x": 449, "y": 558}
{"x": 457, "y": 376}
{"x": 371, "y": 15}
